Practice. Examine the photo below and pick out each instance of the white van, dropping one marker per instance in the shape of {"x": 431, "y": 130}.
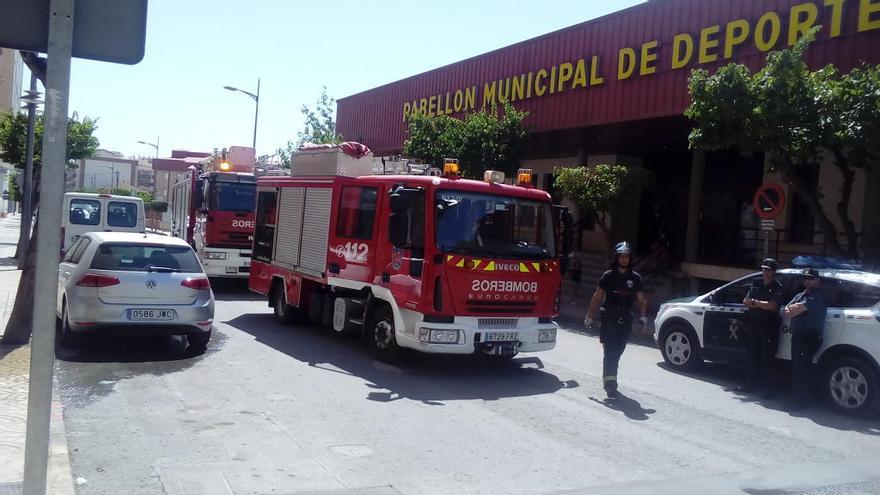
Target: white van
{"x": 89, "y": 212}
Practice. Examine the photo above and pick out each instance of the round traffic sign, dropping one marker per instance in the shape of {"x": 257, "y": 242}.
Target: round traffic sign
{"x": 769, "y": 201}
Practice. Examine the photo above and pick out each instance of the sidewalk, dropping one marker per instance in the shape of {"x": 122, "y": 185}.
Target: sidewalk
{"x": 14, "y": 374}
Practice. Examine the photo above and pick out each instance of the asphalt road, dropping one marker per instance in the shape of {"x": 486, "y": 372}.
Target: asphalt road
{"x": 272, "y": 409}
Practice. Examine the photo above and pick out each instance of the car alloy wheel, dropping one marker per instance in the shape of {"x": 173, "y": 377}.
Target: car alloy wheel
{"x": 848, "y": 387}
{"x": 678, "y": 348}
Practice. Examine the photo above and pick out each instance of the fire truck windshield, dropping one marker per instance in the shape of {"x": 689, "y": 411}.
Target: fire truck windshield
{"x": 234, "y": 196}
{"x": 496, "y": 226}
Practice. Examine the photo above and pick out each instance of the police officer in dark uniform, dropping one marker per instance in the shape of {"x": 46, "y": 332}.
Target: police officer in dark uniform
{"x": 762, "y": 327}
{"x": 619, "y": 289}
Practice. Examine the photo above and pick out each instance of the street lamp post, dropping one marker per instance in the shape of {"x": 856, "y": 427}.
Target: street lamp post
{"x": 32, "y": 98}
{"x": 256, "y": 98}
{"x": 154, "y": 145}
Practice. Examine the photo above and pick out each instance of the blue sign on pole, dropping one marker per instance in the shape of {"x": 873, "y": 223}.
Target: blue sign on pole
{"x": 105, "y": 30}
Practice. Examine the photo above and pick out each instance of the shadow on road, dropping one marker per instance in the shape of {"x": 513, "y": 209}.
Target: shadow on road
{"x": 233, "y": 289}
{"x": 90, "y": 370}
{"x": 730, "y": 378}
{"x": 430, "y": 379}
{"x": 627, "y": 405}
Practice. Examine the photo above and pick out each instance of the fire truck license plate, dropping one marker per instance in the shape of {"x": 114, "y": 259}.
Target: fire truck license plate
{"x": 500, "y": 337}
{"x": 151, "y": 314}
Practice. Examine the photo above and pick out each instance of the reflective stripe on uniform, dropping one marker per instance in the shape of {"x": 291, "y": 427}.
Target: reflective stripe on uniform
{"x": 609, "y": 378}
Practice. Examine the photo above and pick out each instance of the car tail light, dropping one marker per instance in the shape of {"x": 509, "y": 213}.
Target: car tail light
{"x": 97, "y": 280}
{"x": 197, "y": 283}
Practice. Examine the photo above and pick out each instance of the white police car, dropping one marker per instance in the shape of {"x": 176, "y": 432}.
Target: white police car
{"x": 711, "y": 327}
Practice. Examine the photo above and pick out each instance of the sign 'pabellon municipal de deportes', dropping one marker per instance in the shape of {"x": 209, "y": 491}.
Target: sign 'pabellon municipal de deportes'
{"x": 712, "y": 43}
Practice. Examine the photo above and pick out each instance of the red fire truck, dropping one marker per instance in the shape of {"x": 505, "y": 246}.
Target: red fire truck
{"x": 438, "y": 264}
{"x": 212, "y": 208}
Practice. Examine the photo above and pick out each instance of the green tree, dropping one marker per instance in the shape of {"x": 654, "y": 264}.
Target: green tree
{"x": 774, "y": 111}
{"x": 13, "y": 136}
{"x": 319, "y": 127}
{"x": 598, "y": 190}
{"x": 486, "y": 140}
{"x": 850, "y": 118}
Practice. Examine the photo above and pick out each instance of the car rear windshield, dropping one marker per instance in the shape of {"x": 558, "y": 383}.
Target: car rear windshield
{"x": 121, "y": 214}
{"x": 145, "y": 257}
{"x": 85, "y": 212}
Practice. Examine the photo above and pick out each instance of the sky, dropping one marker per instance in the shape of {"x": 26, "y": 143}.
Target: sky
{"x": 196, "y": 47}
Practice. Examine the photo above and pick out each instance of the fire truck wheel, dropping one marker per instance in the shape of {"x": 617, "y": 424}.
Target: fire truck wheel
{"x": 284, "y": 313}
{"x": 381, "y": 335}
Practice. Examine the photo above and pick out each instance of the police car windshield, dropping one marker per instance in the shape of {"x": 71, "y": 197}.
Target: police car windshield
{"x": 496, "y": 226}
{"x": 234, "y": 196}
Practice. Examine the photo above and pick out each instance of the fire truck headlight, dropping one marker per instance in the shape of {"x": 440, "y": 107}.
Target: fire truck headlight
{"x": 547, "y": 335}
{"x": 434, "y": 336}
{"x": 212, "y": 255}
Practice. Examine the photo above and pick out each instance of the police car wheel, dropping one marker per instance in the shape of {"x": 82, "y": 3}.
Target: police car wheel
{"x": 850, "y": 386}
{"x": 381, "y": 336}
{"x": 680, "y": 347}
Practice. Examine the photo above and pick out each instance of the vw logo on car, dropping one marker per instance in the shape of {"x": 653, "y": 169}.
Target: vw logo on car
{"x": 151, "y": 284}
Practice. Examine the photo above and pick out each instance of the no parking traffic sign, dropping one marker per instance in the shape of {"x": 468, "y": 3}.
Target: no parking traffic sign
{"x": 769, "y": 201}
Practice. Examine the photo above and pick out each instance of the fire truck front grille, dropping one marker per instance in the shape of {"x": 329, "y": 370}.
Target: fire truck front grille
{"x": 490, "y": 307}
{"x": 497, "y": 322}
{"x": 237, "y": 236}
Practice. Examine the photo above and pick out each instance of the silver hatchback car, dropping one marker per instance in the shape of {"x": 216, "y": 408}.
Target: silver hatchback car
{"x": 119, "y": 282}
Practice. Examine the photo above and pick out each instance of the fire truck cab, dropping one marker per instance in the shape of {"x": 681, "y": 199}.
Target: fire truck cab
{"x": 213, "y": 210}
{"x": 437, "y": 264}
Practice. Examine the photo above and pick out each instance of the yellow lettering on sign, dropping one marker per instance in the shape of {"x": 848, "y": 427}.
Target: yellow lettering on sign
{"x": 735, "y": 34}
{"x": 867, "y": 8}
{"x": 489, "y": 93}
{"x": 565, "y": 72}
{"x": 836, "y": 16}
{"x": 540, "y": 85}
{"x": 595, "y": 78}
{"x": 798, "y": 25}
{"x": 580, "y": 75}
{"x": 470, "y": 98}
{"x": 707, "y": 43}
{"x": 432, "y": 105}
{"x": 446, "y": 108}
{"x": 552, "y": 79}
{"x": 405, "y": 110}
{"x": 519, "y": 87}
{"x": 626, "y": 63}
{"x": 648, "y": 58}
{"x": 503, "y": 90}
{"x": 529, "y": 85}
{"x": 680, "y": 59}
{"x": 458, "y": 101}
{"x": 423, "y": 106}
{"x": 764, "y": 42}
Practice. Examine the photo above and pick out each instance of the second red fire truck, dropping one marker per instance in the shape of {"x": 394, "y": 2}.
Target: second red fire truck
{"x": 212, "y": 208}
{"x": 438, "y": 264}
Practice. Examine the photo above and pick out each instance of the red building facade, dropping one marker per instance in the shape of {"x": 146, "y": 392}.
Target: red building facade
{"x": 614, "y": 89}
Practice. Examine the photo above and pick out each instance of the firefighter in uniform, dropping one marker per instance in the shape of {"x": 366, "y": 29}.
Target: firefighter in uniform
{"x": 620, "y": 288}
{"x": 762, "y": 327}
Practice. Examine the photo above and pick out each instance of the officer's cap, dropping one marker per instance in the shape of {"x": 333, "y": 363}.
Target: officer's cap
{"x": 770, "y": 264}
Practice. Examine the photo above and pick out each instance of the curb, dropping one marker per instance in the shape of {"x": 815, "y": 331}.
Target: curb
{"x": 59, "y": 478}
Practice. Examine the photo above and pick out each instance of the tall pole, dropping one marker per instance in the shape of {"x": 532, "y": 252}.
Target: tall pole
{"x": 27, "y": 212}
{"x": 36, "y": 455}
{"x": 256, "y": 113}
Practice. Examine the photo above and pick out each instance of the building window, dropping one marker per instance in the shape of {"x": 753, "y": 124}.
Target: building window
{"x": 357, "y": 212}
